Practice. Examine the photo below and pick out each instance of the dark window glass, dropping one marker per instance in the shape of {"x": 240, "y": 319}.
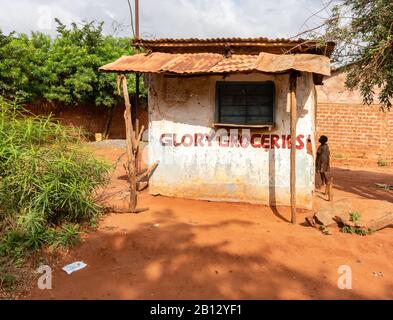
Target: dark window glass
{"x": 245, "y": 102}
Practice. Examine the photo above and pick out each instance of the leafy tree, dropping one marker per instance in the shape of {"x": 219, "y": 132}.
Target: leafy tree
{"x": 71, "y": 73}
{"x": 63, "y": 70}
{"x": 15, "y": 73}
{"x": 363, "y": 31}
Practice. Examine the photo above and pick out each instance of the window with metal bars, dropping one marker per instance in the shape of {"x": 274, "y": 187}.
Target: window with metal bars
{"x": 245, "y": 103}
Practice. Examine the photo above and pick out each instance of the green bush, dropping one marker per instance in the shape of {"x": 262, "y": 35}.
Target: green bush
{"x": 47, "y": 182}
{"x": 63, "y": 70}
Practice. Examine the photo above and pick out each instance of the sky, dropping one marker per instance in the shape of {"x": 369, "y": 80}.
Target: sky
{"x": 168, "y": 18}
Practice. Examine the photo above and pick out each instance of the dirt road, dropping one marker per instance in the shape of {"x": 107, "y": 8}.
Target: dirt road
{"x": 185, "y": 249}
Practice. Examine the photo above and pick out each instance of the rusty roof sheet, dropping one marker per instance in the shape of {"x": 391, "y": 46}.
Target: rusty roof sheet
{"x": 192, "y": 63}
{"x": 216, "y": 40}
{"x": 235, "y": 63}
{"x": 139, "y": 63}
{"x": 244, "y": 46}
{"x": 268, "y": 62}
{"x": 200, "y": 63}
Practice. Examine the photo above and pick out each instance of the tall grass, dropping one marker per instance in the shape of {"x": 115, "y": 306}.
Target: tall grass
{"x": 47, "y": 182}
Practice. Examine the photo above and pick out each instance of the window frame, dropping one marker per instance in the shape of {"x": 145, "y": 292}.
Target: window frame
{"x": 217, "y": 105}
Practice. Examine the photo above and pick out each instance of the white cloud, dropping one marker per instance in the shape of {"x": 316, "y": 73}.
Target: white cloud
{"x": 169, "y": 18}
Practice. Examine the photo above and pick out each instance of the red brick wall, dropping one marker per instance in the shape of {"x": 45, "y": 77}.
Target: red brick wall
{"x": 91, "y": 118}
{"x": 356, "y": 130}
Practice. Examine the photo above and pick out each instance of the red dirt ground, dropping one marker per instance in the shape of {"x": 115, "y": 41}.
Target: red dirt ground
{"x": 188, "y": 249}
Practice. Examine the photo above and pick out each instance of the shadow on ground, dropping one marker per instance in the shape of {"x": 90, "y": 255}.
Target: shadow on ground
{"x": 362, "y": 183}
{"x": 168, "y": 260}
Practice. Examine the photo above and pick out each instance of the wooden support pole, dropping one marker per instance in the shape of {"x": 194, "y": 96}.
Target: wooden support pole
{"x": 137, "y": 92}
{"x": 293, "y": 113}
{"x": 137, "y": 74}
{"x": 137, "y": 19}
{"x": 136, "y": 145}
{"x": 131, "y": 146}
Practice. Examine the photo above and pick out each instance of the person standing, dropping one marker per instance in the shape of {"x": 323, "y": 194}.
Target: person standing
{"x": 323, "y": 160}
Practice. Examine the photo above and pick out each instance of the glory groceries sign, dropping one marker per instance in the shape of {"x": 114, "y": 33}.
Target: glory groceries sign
{"x": 266, "y": 141}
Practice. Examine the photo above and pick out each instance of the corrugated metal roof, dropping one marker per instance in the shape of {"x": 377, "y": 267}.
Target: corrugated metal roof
{"x": 235, "y": 63}
{"x": 164, "y": 62}
{"x": 140, "y": 63}
{"x": 244, "y": 46}
{"x": 199, "y": 63}
{"x": 215, "y": 40}
{"x": 191, "y": 63}
{"x": 267, "y": 62}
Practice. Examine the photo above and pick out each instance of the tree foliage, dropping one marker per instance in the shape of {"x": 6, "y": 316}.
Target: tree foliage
{"x": 63, "y": 70}
{"x": 363, "y": 31}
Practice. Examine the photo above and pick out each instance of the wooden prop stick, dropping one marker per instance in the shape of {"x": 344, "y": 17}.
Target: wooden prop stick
{"x": 139, "y": 186}
{"x": 136, "y": 151}
{"x": 133, "y": 139}
{"x": 138, "y": 140}
{"x": 131, "y": 146}
{"x": 147, "y": 172}
{"x": 293, "y": 114}
{"x": 136, "y": 129}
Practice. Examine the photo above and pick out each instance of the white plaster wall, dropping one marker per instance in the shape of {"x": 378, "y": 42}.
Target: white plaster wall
{"x": 256, "y": 175}
{"x": 333, "y": 90}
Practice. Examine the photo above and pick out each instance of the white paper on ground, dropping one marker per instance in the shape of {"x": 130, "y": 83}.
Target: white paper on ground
{"x": 75, "y": 266}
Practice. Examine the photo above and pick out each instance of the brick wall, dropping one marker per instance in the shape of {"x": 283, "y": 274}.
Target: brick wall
{"x": 91, "y": 118}
{"x": 353, "y": 129}
{"x": 356, "y": 130}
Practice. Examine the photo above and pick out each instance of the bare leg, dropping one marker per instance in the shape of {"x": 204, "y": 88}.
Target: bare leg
{"x": 324, "y": 180}
{"x": 330, "y": 189}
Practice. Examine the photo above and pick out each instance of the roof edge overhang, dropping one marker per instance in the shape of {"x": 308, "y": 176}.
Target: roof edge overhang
{"x": 209, "y": 63}
{"x": 236, "y": 45}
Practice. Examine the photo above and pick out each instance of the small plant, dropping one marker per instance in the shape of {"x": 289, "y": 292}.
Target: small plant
{"x": 362, "y": 232}
{"x": 356, "y": 230}
{"x": 325, "y": 230}
{"x": 67, "y": 236}
{"x": 354, "y": 217}
{"x": 347, "y": 229}
{"x": 381, "y": 163}
{"x": 7, "y": 280}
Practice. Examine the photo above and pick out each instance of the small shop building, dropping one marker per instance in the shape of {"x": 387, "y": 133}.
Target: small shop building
{"x": 222, "y": 113}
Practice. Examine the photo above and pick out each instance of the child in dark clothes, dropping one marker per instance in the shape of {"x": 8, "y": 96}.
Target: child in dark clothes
{"x": 323, "y": 160}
